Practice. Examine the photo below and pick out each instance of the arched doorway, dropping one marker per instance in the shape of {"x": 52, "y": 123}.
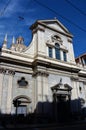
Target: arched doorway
{"x": 21, "y": 104}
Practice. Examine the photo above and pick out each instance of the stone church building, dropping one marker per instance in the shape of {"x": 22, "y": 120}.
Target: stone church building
{"x": 45, "y": 77}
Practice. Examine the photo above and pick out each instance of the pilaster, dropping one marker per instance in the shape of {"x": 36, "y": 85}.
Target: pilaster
{"x": 4, "y": 92}
{"x": 71, "y": 51}
{"x": 74, "y": 85}
{"x": 41, "y": 87}
{"x": 75, "y": 94}
{"x": 84, "y": 83}
{"x": 9, "y": 92}
{"x": 6, "y": 77}
{"x": 41, "y": 43}
{"x": 2, "y": 72}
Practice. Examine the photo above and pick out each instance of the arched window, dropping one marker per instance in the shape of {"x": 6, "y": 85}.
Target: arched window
{"x": 57, "y": 51}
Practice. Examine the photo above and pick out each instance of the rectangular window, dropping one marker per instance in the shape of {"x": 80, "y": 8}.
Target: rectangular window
{"x": 50, "y": 52}
{"x": 22, "y": 109}
{"x": 64, "y": 56}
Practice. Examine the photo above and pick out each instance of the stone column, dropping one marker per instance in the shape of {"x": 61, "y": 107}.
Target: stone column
{"x": 2, "y": 72}
{"x": 9, "y": 93}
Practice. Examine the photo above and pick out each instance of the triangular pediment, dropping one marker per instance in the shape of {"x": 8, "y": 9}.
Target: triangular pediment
{"x": 54, "y": 24}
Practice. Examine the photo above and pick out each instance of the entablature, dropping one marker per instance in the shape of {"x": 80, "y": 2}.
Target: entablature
{"x": 56, "y": 64}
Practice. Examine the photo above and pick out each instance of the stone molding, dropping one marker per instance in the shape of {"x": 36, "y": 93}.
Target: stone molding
{"x": 38, "y": 28}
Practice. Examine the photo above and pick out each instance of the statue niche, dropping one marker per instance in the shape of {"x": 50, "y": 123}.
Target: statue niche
{"x": 22, "y": 82}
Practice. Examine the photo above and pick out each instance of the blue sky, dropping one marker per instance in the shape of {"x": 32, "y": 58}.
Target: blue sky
{"x": 30, "y": 10}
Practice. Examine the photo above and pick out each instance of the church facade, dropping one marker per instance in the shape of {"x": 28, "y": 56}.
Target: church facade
{"x": 40, "y": 78}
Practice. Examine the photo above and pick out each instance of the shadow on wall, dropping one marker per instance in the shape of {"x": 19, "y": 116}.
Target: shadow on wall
{"x": 60, "y": 112}
{"x": 49, "y": 112}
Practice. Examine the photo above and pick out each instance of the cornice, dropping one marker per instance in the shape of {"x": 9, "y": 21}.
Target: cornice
{"x": 82, "y": 74}
{"x": 54, "y": 21}
{"x": 14, "y": 53}
{"x": 38, "y": 28}
{"x": 16, "y": 60}
{"x": 56, "y": 64}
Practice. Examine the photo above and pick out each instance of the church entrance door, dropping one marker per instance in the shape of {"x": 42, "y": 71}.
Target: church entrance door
{"x": 63, "y": 108}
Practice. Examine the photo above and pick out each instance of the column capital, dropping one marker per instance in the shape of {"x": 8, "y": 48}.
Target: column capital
{"x": 73, "y": 78}
{"x": 2, "y": 70}
{"x": 84, "y": 82}
{"x": 41, "y": 73}
{"x": 11, "y": 72}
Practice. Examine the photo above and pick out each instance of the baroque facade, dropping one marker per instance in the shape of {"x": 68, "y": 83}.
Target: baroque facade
{"x": 44, "y": 77}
